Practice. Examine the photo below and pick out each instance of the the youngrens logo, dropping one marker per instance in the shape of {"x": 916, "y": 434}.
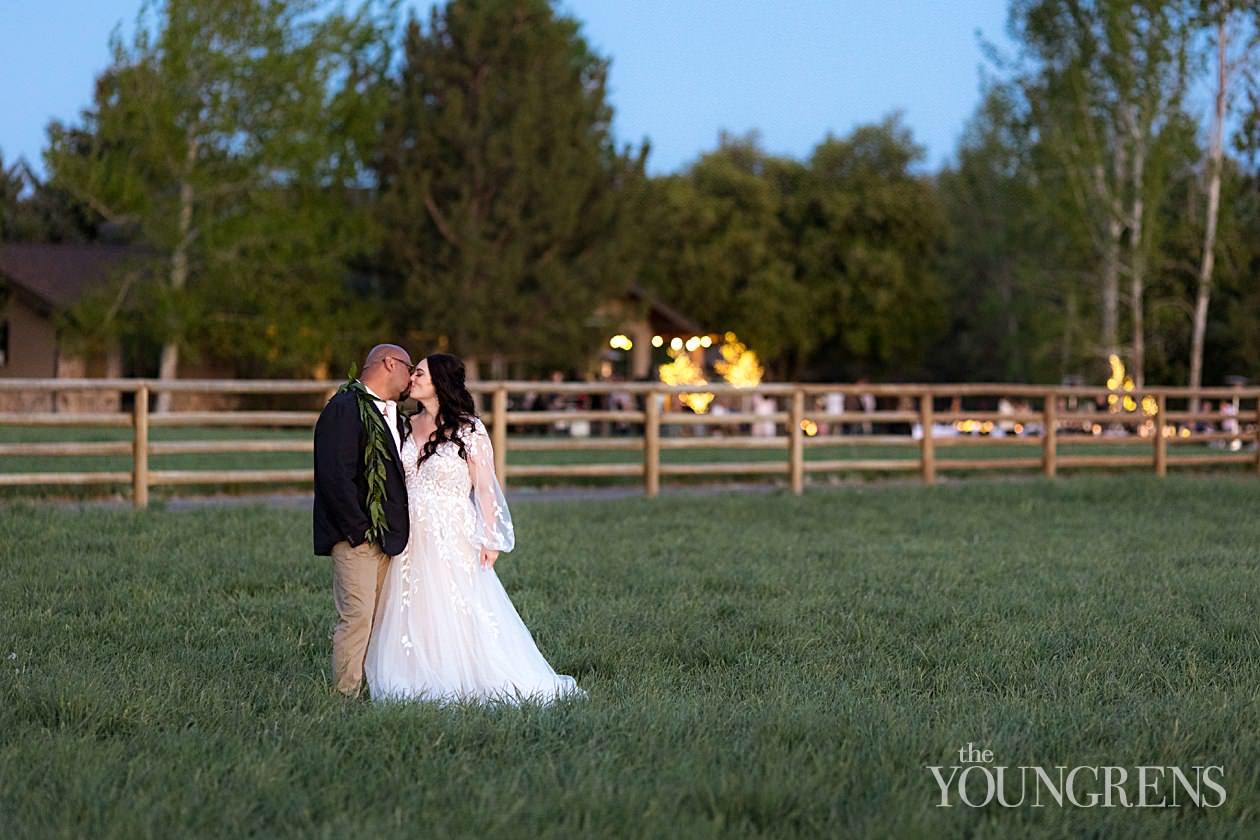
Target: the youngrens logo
{"x": 976, "y": 781}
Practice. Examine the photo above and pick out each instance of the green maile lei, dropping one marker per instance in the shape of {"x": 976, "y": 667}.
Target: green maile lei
{"x": 375, "y": 454}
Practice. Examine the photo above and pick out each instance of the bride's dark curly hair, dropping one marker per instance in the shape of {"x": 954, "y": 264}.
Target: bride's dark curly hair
{"x": 455, "y": 405}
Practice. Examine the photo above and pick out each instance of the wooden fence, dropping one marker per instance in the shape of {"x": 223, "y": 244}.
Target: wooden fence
{"x": 929, "y": 418}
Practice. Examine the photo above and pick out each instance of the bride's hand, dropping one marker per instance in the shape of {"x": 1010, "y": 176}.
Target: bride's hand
{"x": 488, "y": 556}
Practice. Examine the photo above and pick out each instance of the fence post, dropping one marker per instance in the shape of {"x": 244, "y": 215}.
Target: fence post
{"x": 1050, "y": 436}
{"x": 499, "y": 440}
{"x": 1161, "y": 443}
{"x": 927, "y": 445}
{"x": 140, "y": 449}
{"x": 1257, "y": 435}
{"x": 651, "y": 445}
{"x": 796, "y": 443}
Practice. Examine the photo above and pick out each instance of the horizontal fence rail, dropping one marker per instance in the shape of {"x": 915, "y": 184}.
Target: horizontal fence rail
{"x": 926, "y": 422}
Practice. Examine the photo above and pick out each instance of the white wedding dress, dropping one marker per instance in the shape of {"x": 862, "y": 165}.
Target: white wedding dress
{"x": 445, "y": 629}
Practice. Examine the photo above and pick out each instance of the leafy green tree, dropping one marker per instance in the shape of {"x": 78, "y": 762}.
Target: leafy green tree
{"x": 1013, "y": 261}
{"x": 866, "y": 236}
{"x": 825, "y": 268}
{"x": 510, "y": 214}
{"x": 32, "y": 211}
{"x": 232, "y": 138}
{"x": 1231, "y": 22}
{"x": 719, "y": 250}
{"x": 1232, "y": 346}
{"x": 13, "y": 183}
{"x": 1104, "y": 82}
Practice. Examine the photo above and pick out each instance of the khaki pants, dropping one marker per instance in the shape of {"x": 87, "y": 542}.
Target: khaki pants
{"x": 358, "y": 574}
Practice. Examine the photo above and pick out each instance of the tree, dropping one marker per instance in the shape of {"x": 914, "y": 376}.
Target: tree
{"x": 1013, "y": 262}
{"x": 510, "y": 213}
{"x": 32, "y": 211}
{"x": 719, "y": 250}
{"x": 824, "y": 268}
{"x": 1227, "y": 20}
{"x": 14, "y": 179}
{"x": 866, "y": 237}
{"x": 231, "y": 137}
{"x": 1104, "y": 85}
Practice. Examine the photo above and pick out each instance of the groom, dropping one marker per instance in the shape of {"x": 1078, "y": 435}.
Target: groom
{"x": 359, "y": 423}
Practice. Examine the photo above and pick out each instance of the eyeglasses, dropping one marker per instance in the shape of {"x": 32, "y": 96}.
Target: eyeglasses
{"x": 410, "y": 367}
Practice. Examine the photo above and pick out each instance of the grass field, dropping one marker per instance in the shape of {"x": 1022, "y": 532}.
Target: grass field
{"x": 757, "y": 665}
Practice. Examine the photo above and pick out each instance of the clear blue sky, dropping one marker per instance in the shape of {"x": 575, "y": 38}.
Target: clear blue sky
{"x": 682, "y": 70}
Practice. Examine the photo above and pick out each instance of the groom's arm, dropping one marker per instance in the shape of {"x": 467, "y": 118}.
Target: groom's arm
{"x": 337, "y": 456}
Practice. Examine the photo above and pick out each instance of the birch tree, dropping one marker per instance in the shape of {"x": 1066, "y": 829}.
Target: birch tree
{"x": 1104, "y": 82}
{"x": 229, "y": 136}
{"x": 508, "y": 208}
{"x": 1227, "y": 20}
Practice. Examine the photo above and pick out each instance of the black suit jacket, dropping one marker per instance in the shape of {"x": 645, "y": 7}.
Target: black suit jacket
{"x": 340, "y": 511}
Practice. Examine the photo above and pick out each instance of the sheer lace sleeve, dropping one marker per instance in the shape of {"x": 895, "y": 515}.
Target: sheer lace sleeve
{"x": 493, "y": 520}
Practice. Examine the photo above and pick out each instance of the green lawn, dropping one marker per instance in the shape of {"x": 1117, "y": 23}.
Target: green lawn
{"x": 757, "y": 665}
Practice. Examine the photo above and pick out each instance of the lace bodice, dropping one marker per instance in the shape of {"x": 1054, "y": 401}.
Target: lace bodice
{"x": 445, "y": 474}
{"x": 447, "y": 486}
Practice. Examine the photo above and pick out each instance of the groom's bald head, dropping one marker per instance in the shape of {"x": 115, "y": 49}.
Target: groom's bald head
{"x": 380, "y": 352}
{"x": 386, "y": 370}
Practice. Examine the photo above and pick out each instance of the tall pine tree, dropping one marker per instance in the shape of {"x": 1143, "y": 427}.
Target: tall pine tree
{"x": 508, "y": 209}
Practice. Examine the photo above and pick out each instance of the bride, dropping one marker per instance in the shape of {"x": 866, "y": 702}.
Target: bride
{"x": 445, "y": 628}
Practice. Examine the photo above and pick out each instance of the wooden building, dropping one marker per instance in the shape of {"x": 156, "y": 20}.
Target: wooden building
{"x": 37, "y": 281}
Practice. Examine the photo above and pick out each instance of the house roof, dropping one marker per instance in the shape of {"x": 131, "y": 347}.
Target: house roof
{"x": 664, "y": 317}
{"x": 54, "y": 276}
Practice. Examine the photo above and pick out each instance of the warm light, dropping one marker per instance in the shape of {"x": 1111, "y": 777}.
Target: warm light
{"x": 706, "y": 342}
{"x": 675, "y": 343}
{"x": 986, "y": 427}
{"x": 1096, "y": 429}
{"x": 809, "y": 427}
{"x": 1019, "y": 428}
{"x": 1150, "y": 406}
{"x": 692, "y": 344}
{"x": 657, "y": 341}
{"x": 738, "y": 365}
{"x": 1184, "y": 432}
{"x": 682, "y": 371}
{"x": 699, "y": 403}
{"x": 620, "y": 342}
{"x": 1120, "y": 381}
{"x": 1117, "y": 372}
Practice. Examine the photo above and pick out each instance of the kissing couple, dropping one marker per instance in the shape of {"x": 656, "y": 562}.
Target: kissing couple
{"x": 414, "y": 519}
